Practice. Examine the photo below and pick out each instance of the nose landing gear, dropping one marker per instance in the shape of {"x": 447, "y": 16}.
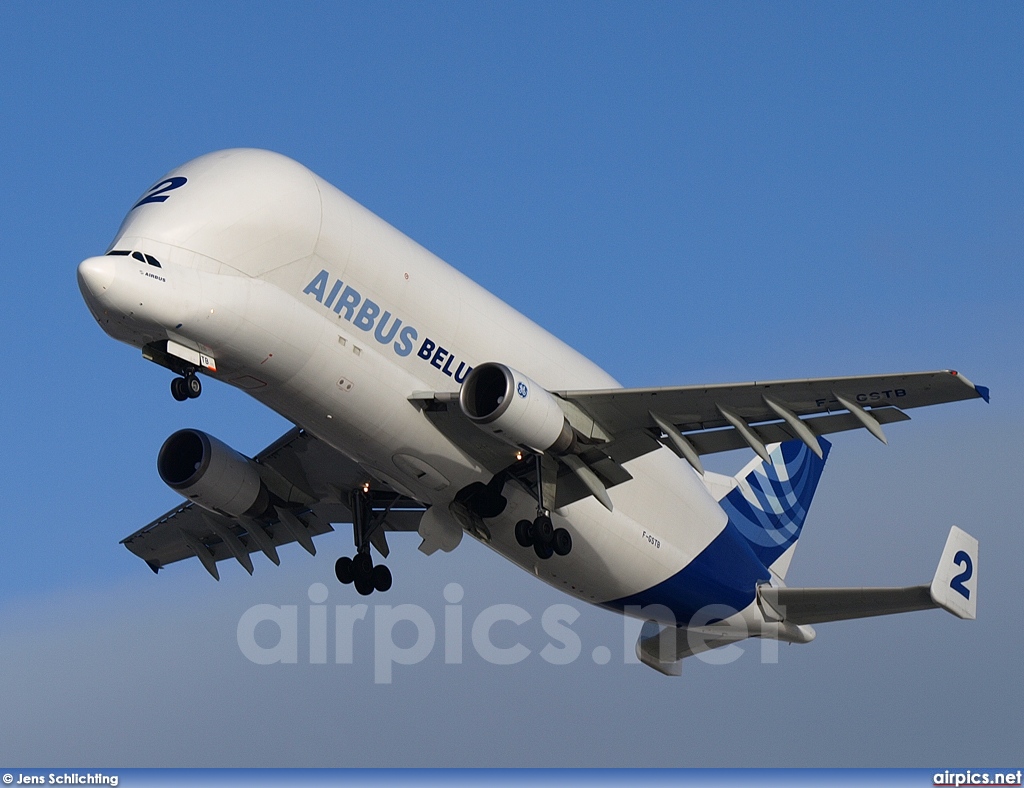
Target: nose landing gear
{"x": 187, "y": 387}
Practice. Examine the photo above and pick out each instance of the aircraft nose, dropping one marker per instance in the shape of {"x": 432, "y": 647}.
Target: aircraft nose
{"x": 96, "y": 275}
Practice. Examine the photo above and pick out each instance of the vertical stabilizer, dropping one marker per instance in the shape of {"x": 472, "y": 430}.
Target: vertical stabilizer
{"x": 955, "y": 585}
{"x": 769, "y": 501}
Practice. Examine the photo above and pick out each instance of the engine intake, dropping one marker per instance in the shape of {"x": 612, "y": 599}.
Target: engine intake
{"x": 212, "y": 474}
{"x": 506, "y": 403}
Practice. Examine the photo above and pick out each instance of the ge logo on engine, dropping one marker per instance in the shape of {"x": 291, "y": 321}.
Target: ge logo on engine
{"x": 521, "y": 389}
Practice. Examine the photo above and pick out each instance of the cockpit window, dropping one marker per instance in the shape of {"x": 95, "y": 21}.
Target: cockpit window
{"x": 148, "y": 259}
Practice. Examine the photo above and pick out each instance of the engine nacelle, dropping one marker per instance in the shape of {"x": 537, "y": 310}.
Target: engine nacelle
{"x": 508, "y": 404}
{"x": 212, "y": 474}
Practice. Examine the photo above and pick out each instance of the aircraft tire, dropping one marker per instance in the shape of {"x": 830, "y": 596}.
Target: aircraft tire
{"x": 362, "y": 567}
{"x": 364, "y": 585}
{"x": 543, "y": 550}
{"x": 543, "y": 529}
{"x": 178, "y": 389}
{"x": 193, "y": 386}
{"x": 382, "y": 578}
{"x": 562, "y": 543}
{"x": 524, "y": 533}
{"x": 344, "y": 570}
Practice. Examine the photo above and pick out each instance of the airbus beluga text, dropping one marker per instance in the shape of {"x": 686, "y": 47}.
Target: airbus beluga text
{"x": 424, "y": 403}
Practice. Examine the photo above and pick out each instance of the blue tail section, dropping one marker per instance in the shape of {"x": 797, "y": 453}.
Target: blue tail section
{"x": 770, "y": 503}
{"x": 766, "y": 511}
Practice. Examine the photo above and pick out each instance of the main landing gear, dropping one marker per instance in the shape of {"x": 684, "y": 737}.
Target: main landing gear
{"x": 545, "y": 539}
{"x": 360, "y": 570}
{"x": 186, "y": 387}
{"x": 541, "y": 534}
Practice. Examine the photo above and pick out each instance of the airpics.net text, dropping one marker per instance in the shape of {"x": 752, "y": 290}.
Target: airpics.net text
{"x": 280, "y": 643}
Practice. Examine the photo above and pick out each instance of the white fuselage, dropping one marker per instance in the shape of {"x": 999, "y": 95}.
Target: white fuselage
{"x": 296, "y": 291}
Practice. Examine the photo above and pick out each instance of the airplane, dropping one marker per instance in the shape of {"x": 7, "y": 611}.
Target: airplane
{"x": 421, "y": 402}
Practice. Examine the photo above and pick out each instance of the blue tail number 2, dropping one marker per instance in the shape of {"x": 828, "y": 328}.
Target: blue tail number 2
{"x": 957, "y": 583}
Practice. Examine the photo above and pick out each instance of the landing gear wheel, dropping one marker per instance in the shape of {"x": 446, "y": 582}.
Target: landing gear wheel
{"x": 543, "y": 529}
{"x": 524, "y": 533}
{"x": 543, "y": 550}
{"x": 381, "y": 578}
{"x": 178, "y": 390}
{"x": 193, "y": 386}
{"x": 364, "y": 585}
{"x": 362, "y": 566}
{"x": 562, "y": 543}
{"x": 344, "y": 570}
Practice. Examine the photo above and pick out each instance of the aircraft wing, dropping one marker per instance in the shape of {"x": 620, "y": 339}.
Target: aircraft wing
{"x": 720, "y": 417}
{"x": 692, "y": 408}
{"x": 618, "y": 425}
{"x": 308, "y": 481}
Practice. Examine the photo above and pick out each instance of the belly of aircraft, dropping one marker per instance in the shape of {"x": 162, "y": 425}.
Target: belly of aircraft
{"x": 351, "y": 397}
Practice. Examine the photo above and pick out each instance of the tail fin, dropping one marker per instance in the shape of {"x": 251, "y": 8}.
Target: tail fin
{"x": 769, "y": 502}
{"x": 955, "y": 585}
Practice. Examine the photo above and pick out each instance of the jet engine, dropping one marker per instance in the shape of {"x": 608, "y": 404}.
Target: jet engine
{"x": 508, "y": 404}
{"x": 212, "y": 474}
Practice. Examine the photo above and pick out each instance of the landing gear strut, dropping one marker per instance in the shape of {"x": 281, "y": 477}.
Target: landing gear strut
{"x": 541, "y": 534}
{"x": 186, "y": 387}
{"x": 360, "y": 570}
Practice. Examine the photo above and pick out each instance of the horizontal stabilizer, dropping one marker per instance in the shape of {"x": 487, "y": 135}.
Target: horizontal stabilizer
{"x": 821, "y": 605}
{"x": 954, "y": 588}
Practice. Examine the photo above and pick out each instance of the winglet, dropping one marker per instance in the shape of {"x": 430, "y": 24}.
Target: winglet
{"x": 955, "y": 585}
{"x": 982, "y": 390}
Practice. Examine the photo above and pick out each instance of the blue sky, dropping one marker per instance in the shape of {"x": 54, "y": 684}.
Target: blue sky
{"x": 686, "y": 193}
